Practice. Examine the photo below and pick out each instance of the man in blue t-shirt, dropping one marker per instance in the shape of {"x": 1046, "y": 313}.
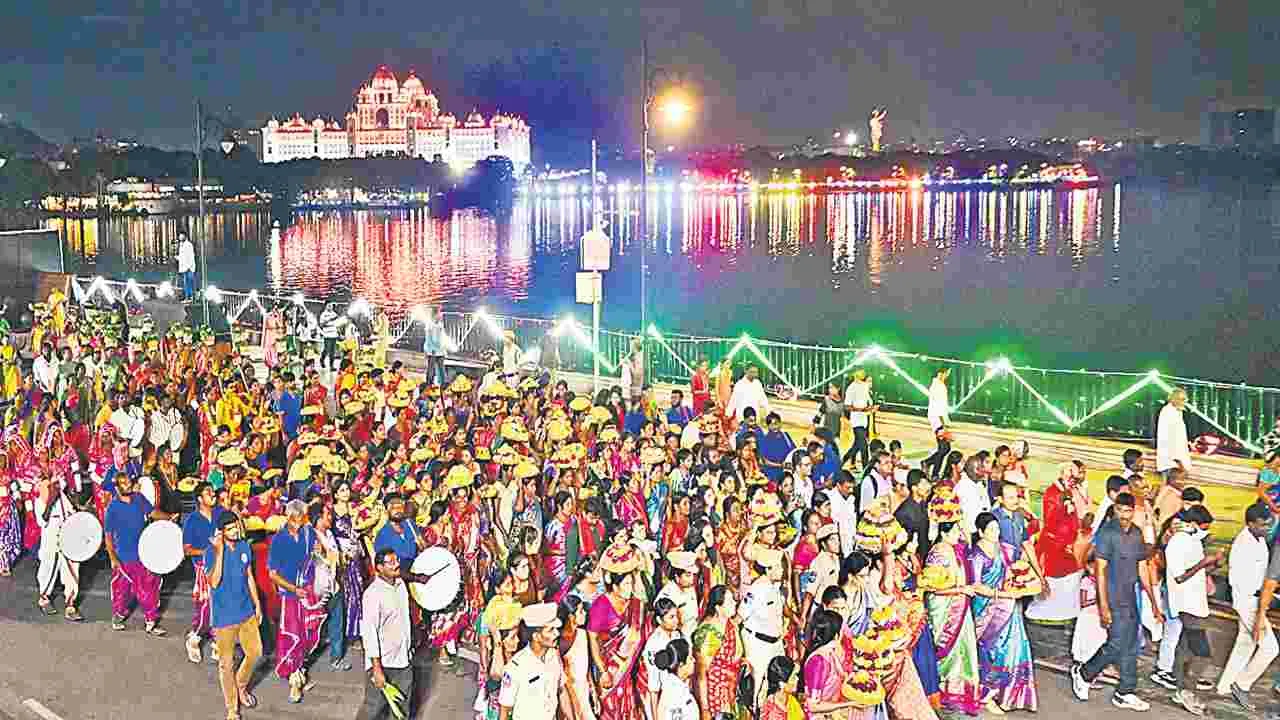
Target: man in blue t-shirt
{"x": 197, "y": 531}
{"x": 400, "y": 534}
{"x": 125, "y": 518}
{"x": 291, "y": 562}
{"x": 288, "y": 404}
{"x": 235, "y": 610}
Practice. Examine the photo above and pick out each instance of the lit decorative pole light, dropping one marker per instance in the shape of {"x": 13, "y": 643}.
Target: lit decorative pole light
{"x": 675, "y": 111}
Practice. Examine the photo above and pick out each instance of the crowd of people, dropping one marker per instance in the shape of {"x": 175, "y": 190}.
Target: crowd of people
{"x": 619, "y": 559}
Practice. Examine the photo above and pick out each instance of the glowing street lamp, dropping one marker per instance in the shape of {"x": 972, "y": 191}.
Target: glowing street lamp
{"x": 674, "y": 108}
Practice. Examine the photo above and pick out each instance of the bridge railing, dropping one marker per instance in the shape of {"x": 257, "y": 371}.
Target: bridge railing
{"x": 987, "y": 390}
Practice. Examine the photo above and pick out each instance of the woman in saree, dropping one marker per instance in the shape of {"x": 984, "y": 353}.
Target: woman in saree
{"x": 911, "y": 609}
{"x": 555, "y": 564}
{"x": 630, "y": 506}
{"x": 10, "y": 519}
{"x": 729, "y": 536}
{"x": 1004, "y": 651}
{"x": 577, "y": 656}
{"x": 353, "y": 560}
{"x": 717, "y": 652}
{"x": 952, "y": 622}
{"x": 615, "y": 633}
{"x": 868, "y": 582}
{"x": 272, "y": 330}
{"x": 824, "y": 674}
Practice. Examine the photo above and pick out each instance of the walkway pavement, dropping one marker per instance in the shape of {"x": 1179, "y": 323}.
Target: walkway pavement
{"x": 55, "y": 670}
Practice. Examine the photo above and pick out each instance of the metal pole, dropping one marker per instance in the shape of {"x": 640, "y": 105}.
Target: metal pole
{"x": 204, "y": 267}
{"x": 595, "y": 217}
{"x": 642, "y": 226}
{"x": 595, "y": 334}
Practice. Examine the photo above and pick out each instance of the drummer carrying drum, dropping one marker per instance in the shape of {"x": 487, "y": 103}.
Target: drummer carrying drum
{"x": 53, "y": 509}
{"x": 126, "y": 516}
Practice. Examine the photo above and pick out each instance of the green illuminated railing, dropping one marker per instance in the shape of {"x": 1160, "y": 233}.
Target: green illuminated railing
{"x": 987, "y": 390}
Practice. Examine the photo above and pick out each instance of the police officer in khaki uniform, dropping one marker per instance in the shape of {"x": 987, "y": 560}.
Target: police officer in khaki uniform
{"x": 533, "y": 682}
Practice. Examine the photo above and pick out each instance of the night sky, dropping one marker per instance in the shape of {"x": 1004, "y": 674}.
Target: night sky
{"x": 766, "y": 71}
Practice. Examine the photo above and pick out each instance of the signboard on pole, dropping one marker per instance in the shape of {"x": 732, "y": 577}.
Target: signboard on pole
{"x": 595, "y": 250}
{"x": 590, "y": 287}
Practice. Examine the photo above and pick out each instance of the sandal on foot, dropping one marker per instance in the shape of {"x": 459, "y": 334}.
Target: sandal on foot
{"x": 72, "y": 614}
{"x": 248, "y": 699}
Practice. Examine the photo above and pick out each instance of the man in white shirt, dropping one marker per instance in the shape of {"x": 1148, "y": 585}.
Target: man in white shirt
{"x": 1172, "y": 449}
{"x": 533, "y": 684}
{"x": 510, "y": 357}
{"x": 45, "y": 369}
{"x": 844, "y": 510}
{"x": 386, "y": 635}
{"x": 939, "y": 419}
{"x": 857, "y": 400}
{"x": 748, "y": 392}
{"x": 624, "y": 379}
{"x": 1247, "y": 569}
{"x": 761, "y": 613}
{"x": 167, "y": 436}
{"x": 130, "y": 424}
{"x": 1189, "y": 600}
{"x": 329, "y": 331}
{"x": 187, "y": 266}
{"x": 972, "y": 493}
{"x": 878, "y": 482}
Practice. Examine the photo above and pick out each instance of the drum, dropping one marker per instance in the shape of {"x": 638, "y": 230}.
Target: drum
{"x": 177, "y": 436}
{"x": 160, "y": 547}
{"x": 147, "y": 486}
{"x": 81, "y": 536}
{"x": 440, "y": 591}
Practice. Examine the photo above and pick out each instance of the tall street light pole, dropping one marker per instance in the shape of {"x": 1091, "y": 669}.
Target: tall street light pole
{"x": 675, "y": 112}
{"x": 204, "y": 267}
{"x": 643, "y": 226}
{"x": 228, "y": 144}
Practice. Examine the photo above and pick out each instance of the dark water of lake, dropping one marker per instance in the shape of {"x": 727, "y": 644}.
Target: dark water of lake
{"x": 1110, "y": 277}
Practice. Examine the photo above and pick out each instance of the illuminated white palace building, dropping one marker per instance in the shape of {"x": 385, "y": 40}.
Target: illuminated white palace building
{"x": 390, "y": 118}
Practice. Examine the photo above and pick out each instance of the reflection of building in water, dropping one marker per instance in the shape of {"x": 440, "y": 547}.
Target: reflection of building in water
{"x": 151, "y": 242}
{"x": 400, "y": 259}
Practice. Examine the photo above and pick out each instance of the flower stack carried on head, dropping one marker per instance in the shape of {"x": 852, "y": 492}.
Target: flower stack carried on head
{"x": 890, "y": 626}
{"x": 765, "y": 510}
{"x": 620, "y": 560}
{"x": 944, "y": 507}
{"x": 514, "y": 431}
{"x": 597, "y": 415}
{"x": 569, "y": 457}
{"x": 461, "y": 385}
{"x": 652, "y": 456}
{"x": 879, "y": 529}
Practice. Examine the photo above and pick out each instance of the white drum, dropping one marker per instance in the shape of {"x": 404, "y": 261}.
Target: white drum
{"x": 178, "y": 436}
{"x": 147, "y": 486}
{"x": 160, "y": 547}
{"x": 443, "y": 587}
{"x": 81, "y": 536}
